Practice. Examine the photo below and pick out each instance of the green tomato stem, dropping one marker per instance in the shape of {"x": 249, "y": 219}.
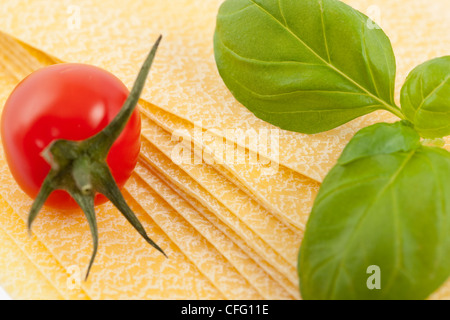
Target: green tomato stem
{"x": 103, "y": 141}
{"x": 82, "y": 174}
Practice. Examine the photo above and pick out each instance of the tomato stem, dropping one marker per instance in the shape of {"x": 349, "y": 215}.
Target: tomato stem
{"x": 103, "y": 141}
{"x": 82, "y": 174}
{"x": 86, "y": 203}
{"x": 80, "y": 168}
{"x": 44, "y": 193}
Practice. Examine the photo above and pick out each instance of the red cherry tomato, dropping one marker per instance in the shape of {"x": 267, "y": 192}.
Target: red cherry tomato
{"x": 66, "y": 101}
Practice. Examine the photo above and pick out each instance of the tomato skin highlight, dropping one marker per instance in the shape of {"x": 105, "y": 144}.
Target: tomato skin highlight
{"x": 65, "y": 101}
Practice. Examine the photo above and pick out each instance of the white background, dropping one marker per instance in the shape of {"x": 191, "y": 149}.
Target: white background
{"x": 4, "y": 295}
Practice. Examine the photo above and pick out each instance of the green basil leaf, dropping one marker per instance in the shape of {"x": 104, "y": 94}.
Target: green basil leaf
{"x": 425, "y": 98}
{"x": 389, "y": 209}
{"x": 379, "y": 139}
{"x": 306, "y": 66}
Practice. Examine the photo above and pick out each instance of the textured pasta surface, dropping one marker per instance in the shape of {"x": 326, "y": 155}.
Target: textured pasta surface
{"x": 231, "y": 232}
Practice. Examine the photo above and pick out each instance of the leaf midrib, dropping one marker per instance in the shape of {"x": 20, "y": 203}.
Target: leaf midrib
{"x": 304, "y": 91}
{"x": 388, "y": 106}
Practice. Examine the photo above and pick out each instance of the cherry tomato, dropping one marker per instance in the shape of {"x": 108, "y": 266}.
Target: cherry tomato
{"x": 65, "y": 101}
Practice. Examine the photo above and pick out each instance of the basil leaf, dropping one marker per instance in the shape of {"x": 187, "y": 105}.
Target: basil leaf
{"x": 306, "y": 66}
{"x": 390, "y": 209}
{"x": 383, "y": 138}
{"x": 425, "y": 98}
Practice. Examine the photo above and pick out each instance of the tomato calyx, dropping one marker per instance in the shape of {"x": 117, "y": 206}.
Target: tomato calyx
{"x": 80, "y": 167}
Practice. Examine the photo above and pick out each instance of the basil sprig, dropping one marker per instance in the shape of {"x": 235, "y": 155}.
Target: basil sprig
{"x": 312, "y": 65}
{"x": 386, "y": 203}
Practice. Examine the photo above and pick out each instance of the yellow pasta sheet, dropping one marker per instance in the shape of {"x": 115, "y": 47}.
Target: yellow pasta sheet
{"x": 279, "y": 189}
{"x": 235, "y": 256}
{"x": 210, "y": 262}
{"x": 274, "y": 232}
{"x": 14, "y": 265}
{"x": 35, "y": 254}
{"x": 184, "y": 181}
{"x": 165, "y": 173}
{"x": 126, "y": 267}
{"x": 203, "y": 255}
{"x": 116, "y": 35}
